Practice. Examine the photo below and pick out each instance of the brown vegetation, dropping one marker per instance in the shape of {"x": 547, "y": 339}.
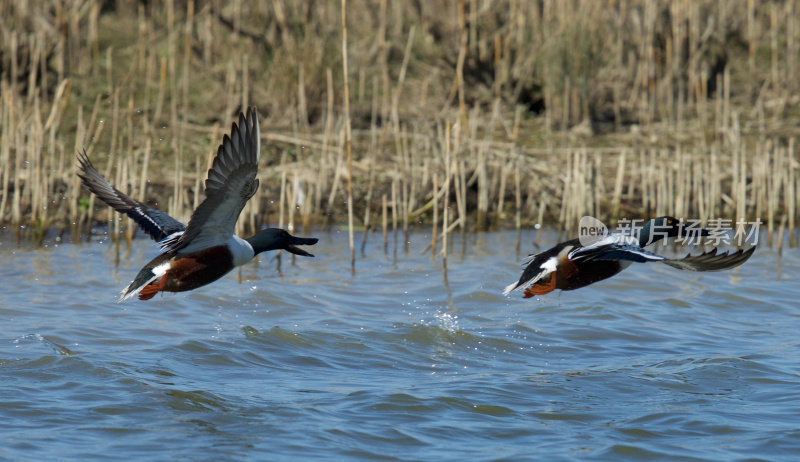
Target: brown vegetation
{"x": 505, "y": 113}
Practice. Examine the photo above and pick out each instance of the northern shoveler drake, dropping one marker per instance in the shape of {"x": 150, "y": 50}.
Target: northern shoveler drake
{"x": 571, "y": 265}
{"x": 206, "y": 249}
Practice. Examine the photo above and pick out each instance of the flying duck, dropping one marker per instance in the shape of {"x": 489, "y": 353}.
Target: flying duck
{"x": 571, "y": 265}
{"x": 207, "y": 249}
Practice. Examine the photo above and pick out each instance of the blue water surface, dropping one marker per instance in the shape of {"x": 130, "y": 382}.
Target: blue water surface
{"x": 308, "y": 360}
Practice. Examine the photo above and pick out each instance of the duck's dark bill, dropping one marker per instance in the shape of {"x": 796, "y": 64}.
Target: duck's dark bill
{"x": 290, "y": 247}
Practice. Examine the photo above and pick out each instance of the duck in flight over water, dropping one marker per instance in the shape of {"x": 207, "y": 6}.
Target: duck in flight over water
{"x": 207, "y": 249}
{"x": 571, "y": 265}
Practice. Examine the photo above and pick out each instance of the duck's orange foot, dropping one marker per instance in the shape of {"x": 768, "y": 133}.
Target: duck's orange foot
{"x": 541, "y": 288}
{"x": 150, "y": 290}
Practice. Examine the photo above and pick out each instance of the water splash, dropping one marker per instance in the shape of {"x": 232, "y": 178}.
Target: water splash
{"x": 60, "y": 349}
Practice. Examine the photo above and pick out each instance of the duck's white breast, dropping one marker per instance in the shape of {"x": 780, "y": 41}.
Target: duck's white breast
{"x": 242, "y": 250}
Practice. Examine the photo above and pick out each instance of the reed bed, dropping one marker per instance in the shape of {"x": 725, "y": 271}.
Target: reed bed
{"x": 468, "y": 116}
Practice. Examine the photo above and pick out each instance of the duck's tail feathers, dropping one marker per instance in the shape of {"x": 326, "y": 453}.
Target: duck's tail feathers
{"x": 141, "y": 281}
{"x": 510, "y": 288}
{"x": 145, "y": 277}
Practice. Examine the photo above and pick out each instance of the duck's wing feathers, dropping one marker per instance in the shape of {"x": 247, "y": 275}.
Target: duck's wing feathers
{"x": 614, "y": 247}
{"x": 632, "y": 253}
{"x": 626, "y": 249}
{"x": 231, "y": 183}
{"x": 157, "y": 224}
{"x": 711, "y": 260}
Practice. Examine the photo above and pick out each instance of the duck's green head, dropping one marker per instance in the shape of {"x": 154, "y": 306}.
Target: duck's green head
{"x": 276, "y": 238}
{"x": 664, "y": 227}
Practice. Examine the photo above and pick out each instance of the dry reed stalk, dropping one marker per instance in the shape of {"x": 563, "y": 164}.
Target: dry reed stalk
{"x": 564, "y": 193}
{"x": 598, "y": 189}
{"x": 16, "y": 212}
{"x": 292, "y": 205}
{"x": 282, "y": 197}
{"x": 741, "y": 195}
{"x": 302, "y": 104}
{"x": 382, "y": 52}
{"x": 5, "y": 148}
{"x": 339, "y": 152}
{"x": 130, "y": 175}
{"x": 33, "y": 167}
{"x": 483, "y": 189}
{"x": 462, "y": 55}
{"x": 517, "y": 193}
{"x": 114, "y": 122}
{"x": 385, "y": 224}
{"x": 246, "y": 84}
{"x": 177, "y": 189}
{"x": 412, "y": 193}
{"x": 584, "y": 188}
{"x": 755, "y": 185}
{"x": 141, "y": 48}
{"x": 459, "y": 177}
{"x": 367, "y": 201}
{"x": 773, "y": 42}
{"x": 435, "y": 214}
{"x": 791, "y": 43}
{"x": 774, "y": 182}
{"x": 172, "y": 68}
{"x": 460, "y": 185}
{"x": 446, "y": 206}
{"x": 679, "y": 205}
{"x": 308, "y": 205}
{"x": 162, "y": 89}
{"x": 293, "y": 199}
{"x": 348, "y": 138}
{"x": 659, "y": 182}
{"x": 501, "y": 192}
{"x": 791, "y": 191}
{"x": 404, "y": 211}
{"x": 398, "y": 89}
{"x": 781, "y": 230}
{"x": 187, "y": 54}
{"x": 113, "y": 218}
{"x": 715, "y": 183}
{"x": 766, "y": 186}
{"x": 93, "y": 126}
{"x": 394, "y": 213}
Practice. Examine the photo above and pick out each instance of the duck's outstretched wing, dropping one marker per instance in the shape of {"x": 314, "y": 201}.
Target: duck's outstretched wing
{"x": 711, "y": 261}
{"x": 154, "y": 222}
{"x": 231, "y": 183}
{"x": 632, "y": 253}
{"x": 708, "y": 261}
{"x": 615, "y": 247}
